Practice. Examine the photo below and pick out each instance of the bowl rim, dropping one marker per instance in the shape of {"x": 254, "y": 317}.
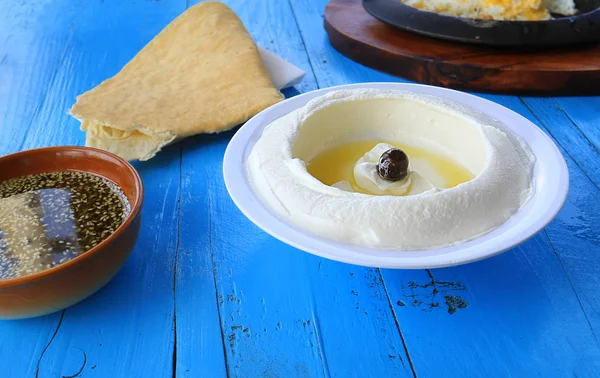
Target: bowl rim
{"x": 537, "y": 213}
{"x": 135, "y": 209}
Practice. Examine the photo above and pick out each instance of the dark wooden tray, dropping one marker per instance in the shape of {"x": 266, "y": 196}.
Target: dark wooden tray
{"x": 561, "y": 71}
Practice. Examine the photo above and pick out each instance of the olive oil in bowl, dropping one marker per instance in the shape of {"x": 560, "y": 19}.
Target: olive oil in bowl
{"x": 50, "y": 218}
{"x": 337, "y": 164}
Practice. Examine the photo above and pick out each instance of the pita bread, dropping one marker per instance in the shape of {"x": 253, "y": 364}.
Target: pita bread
{"x": 201, "y": 74}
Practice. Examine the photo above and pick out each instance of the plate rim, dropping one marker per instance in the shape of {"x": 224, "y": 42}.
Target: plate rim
{"x": 240, "y": 191}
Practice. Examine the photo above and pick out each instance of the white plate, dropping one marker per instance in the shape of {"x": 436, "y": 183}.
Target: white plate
{"x": 550, "y": 175}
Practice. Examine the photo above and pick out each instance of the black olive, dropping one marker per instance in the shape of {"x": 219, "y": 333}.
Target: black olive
{"x": 393, "y": 165}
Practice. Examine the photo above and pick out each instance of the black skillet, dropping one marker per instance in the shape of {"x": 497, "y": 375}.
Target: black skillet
{"x": 581, "y": 28}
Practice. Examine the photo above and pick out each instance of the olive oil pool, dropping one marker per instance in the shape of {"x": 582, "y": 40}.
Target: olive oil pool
{"x": 50, "y": 218}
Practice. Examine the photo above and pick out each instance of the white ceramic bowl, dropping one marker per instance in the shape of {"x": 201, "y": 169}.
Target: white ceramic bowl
{"x": 551, "y": 179}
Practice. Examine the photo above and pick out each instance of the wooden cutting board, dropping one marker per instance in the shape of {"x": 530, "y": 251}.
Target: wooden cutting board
{"x": 563, "y": 71}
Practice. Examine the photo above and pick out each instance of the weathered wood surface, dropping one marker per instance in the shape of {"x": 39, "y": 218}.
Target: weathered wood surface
{"x": 206, "y": 293}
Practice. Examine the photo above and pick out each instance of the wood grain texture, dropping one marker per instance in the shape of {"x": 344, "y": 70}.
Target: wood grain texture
{"x": 33, "y": 38}
{"x": 579, "y": 145}
{"x": 583, "y": 114}
{"x": 358, "y": 35}
{"x": 206, "y": 293}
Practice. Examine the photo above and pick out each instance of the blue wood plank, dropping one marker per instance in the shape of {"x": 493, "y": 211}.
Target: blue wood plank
{"x": 575, "y": 142}
{"x": 325, "y": 61}
{"x": 260, "y": 317}
{"x": 584, "y": 112}
{"x": 33, "y": 37}
{"x": 199, "y": 341}
{"x": 504, "y": 321}
{"x": 522, "y": 318}
{"x": 126, "y": 328}
{"x": 358, "y": 329}
{"x": 275, "y": 321}
{"x": 23, "y": 342}
{"x": 573, "y": 234}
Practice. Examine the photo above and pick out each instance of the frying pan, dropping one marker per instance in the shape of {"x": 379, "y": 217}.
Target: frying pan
{"x": 581, "y": 28}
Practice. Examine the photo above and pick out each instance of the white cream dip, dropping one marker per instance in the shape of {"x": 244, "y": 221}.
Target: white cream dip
{"x": 501, "y": 163}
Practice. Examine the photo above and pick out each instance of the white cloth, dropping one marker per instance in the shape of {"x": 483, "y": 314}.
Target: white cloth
{"x": 283, "y": 73}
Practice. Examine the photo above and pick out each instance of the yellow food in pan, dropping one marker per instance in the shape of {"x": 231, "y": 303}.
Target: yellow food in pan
{"x": 520, "y": 10}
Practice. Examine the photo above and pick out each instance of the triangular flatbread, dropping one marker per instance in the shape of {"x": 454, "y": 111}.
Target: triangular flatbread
{"x": 201, "y": 74}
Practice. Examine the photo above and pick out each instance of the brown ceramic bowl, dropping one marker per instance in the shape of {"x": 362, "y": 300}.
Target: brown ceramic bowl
{"x": 66, "y": 284}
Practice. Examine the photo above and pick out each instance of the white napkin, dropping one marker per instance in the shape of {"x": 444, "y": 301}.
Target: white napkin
{"x": 283, "y": 73}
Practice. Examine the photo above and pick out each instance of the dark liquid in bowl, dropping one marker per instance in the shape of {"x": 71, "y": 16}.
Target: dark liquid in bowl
{"x": 50, "y": 218}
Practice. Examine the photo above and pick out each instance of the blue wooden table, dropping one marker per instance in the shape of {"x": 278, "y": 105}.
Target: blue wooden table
{"x": 206, "y": 293}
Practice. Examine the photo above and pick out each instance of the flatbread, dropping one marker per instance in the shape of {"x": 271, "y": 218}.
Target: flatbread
{"x": 201, "y": 74}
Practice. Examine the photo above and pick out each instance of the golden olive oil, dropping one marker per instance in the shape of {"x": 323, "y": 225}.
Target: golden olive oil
{"x": 337, "y": 164}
